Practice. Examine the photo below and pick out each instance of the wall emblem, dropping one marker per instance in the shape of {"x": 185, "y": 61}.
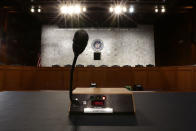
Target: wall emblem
{"x": 97, "y": 45}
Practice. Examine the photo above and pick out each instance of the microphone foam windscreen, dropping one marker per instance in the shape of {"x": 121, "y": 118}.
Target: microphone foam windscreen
{"x": 80, "y": 41}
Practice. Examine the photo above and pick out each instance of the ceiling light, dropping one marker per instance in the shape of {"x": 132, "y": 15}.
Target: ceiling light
{"x": 124, "y": 9}
{"x": 64, "y": 9}
{"x": 70, "y": 10}
{"x": 84, "y": 9}
{"x": 39, "y": 10}
{"x": 163, "y": 10}
{"x": 131, "y": 9}
{"x": 156, "y": 10}
{"x": 32, "y": 9}
{"x": 118, "y": 9}
{"x": 111, "y": 9}
{"x": 77, "y": 9}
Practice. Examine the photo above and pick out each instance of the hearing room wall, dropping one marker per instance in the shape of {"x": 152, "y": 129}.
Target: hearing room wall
{"x": 130, "y": 46}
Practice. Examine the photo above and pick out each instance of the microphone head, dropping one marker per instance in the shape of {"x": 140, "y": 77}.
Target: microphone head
{"x": 80, "y": 41}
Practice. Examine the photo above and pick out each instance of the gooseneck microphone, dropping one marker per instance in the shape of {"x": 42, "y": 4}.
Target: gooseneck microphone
{"x": 80, "y": 41}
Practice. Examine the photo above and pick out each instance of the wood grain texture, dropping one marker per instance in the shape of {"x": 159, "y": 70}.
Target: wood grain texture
{"x": 184, "y": 78}
{"x": 140, "y": 76}
{"x": 154, "y": 79}
{"x": 1, "y": 79}
{"x": 101, "y": 91}
{"x": 12, "y": 79}
{"x": 181, "y": 78}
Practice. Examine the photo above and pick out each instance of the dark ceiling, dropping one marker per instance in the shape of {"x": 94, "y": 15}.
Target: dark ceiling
{"x": 97, "y": 11}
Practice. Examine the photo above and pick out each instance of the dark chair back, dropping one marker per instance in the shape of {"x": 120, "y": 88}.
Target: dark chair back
{"x": 79, "y": 65}
{"x": 115, "y": 66}
{"x": 127, "y": 66}
{"x": 103, "y": 66}
{"x": 139, "y": 65}
{"x": 149, "y": 65}
{"x": 138, "y": 88}
{"x": 55, "y": 65}
{"x": 90, "y": 65}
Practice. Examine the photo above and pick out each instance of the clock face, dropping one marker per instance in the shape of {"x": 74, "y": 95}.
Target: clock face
{"x": 97, "y": 45}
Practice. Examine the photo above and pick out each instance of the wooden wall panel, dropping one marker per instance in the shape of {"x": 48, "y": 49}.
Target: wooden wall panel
{"x": 83, "y": 77}
{"x": 194, "y": 79}
{"x": 1, "y": 79}
{"x": 56, "y": 80}
{"x": 125, "y": 77}
{"x": 184, "y": 78}
{"x": 28, "y": 79}
{"x": 50, "y": 79}
{"x": 112, "y": 78}
{"x": 13, "y": 79}
{"x": 42, "y": 79}
{"x": 66, "y": 78}
{"x": 98, "y": 76}
{"x": 118, "y": 77}
{"x": 154, "y": 79}
{"x": 169, "y": 78}
{"x": 140, "y": 76}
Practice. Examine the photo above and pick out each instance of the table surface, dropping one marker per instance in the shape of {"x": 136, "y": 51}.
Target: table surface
{"x": 48, "y": 111}
{"x": 101, "y": 91}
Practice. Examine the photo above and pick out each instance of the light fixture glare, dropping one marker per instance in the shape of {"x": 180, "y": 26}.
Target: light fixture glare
{"x": 77, "y": 9}
{"x": 111, "y": 9}
{"x": 64, "y": 9}
{"x": 124, "y": 9}
{"x": 156, "y": 10}
{"x": 32, "y": 10}
{"x": 118, "y": 9}
{"x": 131, "y": 9}
{"x": 163, "y": 10}
{"x": 84, "y": 9}
{"x": 39, "y": 10}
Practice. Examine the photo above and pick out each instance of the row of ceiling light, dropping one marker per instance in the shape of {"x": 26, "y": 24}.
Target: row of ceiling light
{"x": 36, "y": 9}
{"x": 118, "y": 9}
{"x": 72, "y": 9}
{"x": 77, "y": 9}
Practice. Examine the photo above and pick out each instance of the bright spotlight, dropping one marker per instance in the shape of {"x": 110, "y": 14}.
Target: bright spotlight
{"x": 39, "y": 10}
{"x": 32, "y": 9}
{"x": 131, "y": 9}
{"x": 111, "y": 9}
{"x": 118, "y": 10}
{"x": 124, "y": 9}
{"x": 70, "y": 10}
{"x": 156, "y": 10}
{"x": 64, "y": 9}
{"x": 84, "y": 9}
{"x": 163, "y": 10}
{"x": 77, "y": 9}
